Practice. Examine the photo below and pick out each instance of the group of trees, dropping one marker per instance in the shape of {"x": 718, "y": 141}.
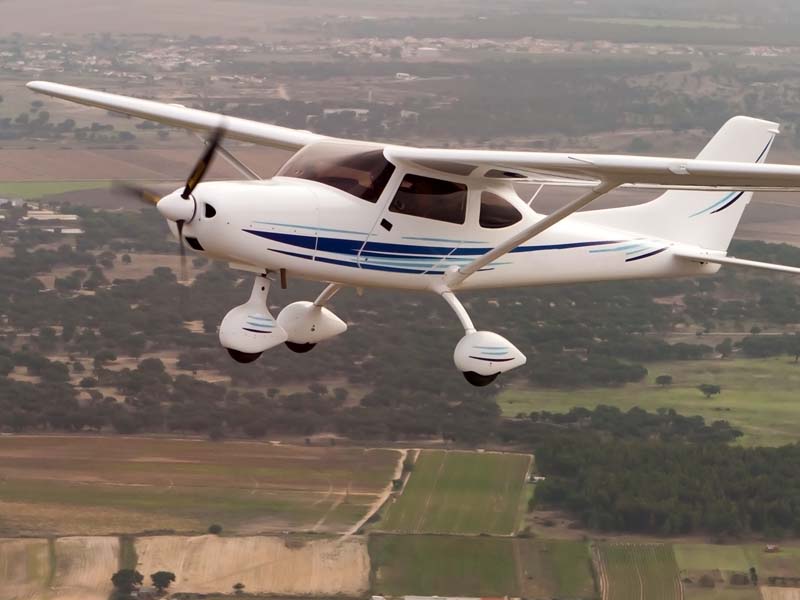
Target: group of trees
{"x": 128, "y": 581}
{"x": 655, "y": 487}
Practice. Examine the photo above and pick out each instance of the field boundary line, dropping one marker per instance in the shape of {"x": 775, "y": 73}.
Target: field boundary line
{"x": 384, "y": 495}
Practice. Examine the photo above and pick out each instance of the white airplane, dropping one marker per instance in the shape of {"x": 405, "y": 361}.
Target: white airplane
{"x": 358, "y": 214}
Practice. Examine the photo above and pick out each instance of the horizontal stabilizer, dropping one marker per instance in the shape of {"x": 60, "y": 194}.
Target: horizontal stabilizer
{"x": 707, "y": 257}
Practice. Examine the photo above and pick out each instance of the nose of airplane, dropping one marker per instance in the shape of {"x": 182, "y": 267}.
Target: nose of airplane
{"x": 176, "y": 208}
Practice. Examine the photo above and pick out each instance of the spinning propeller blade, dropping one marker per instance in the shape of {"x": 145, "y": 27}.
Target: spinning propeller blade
{"x": 204, "y": 163}
{"x": 142, "y": 193}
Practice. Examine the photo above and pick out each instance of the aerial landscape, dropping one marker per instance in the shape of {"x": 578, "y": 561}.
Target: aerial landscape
{"x": 648, "y": 449}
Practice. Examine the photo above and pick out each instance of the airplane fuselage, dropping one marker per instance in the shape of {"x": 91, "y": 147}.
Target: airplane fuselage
{"x": 320, "y": 233}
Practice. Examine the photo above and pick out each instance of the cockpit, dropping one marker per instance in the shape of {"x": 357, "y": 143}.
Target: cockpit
{"x": 363, "y": 171}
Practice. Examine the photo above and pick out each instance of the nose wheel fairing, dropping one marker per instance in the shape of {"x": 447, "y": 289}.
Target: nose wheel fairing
{"x": 250, "y": 329}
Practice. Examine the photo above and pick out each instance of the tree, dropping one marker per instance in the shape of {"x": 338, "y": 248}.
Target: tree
{"x": 215, "y": 529}
{"x": 162, "y": 579}
{"x": 664, "y": 380}
{"x": 709, "y": 389}
{"x": 127, "y": 580}
{"x": 725, "y": 348}
{"x": 238, "y": 588}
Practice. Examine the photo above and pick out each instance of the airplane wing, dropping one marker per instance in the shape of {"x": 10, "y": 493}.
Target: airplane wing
{"x": 591, "y": 170}
{"x": 181, "y": 116}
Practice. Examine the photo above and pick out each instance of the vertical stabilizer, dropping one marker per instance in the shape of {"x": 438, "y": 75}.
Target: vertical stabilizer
{"x": 703, "y": 218}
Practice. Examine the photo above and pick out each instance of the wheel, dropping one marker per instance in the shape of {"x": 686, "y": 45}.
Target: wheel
{"x": 299, "y": 348}
{"x": 479, "y": 380}
{"x": 243, "y": 357}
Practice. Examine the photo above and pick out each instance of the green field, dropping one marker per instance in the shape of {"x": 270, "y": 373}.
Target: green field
{"x": 98, "y": 485}
{"x": 708, "y": 557}
{"x": 479, "y": 566}
{"x": 32, "y": 190}
{"x": 459, "y": 493}
{"x": 640, "y": 571}
{"x": 666, "y": 23}
{"x": 555, "y": 569}
{"x": 759, "y": 396}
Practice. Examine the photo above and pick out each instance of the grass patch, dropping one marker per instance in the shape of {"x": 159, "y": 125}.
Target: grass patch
{"x": 460, "y": 493}
{"x": 33, "y": 190}
{"x": 666, "y": 23}
{"x": 707, "y": 557}
{"x": 442, "y": 565}
{"x": 759, "y": 396}
{"x": 555, "y": 569}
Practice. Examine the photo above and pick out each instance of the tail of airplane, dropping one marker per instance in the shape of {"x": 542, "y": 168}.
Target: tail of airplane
{"x": 707, "y": 219}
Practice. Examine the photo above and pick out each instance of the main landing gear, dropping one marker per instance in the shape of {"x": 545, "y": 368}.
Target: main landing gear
{"x": 250, "y": 329}
{"x": 481, "y": 355}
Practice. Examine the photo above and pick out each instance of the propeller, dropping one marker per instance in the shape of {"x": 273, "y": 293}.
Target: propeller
{"x": 168, "y": 205}
{"x": 204, "y": 163}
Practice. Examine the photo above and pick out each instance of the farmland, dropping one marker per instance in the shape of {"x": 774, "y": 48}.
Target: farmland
{"x": 479, "y": 566}
{"x": 631, "y": 571}
{"x": 95, "y": 485}
{"x": 79, "y": 568}
{"x": 720, "y": 562}
{"x": 765, "y": 419}
{"x": 460, "y": 493}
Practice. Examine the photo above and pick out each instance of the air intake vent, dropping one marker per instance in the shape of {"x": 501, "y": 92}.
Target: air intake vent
{"x": 194, "y": 243}
{"x": 209, "y": 211}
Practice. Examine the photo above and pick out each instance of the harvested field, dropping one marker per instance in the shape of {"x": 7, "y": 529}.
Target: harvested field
{"x": 780, "y": 593}
{"x": 84, "y": 566}
{"x": 24, "y": 568}
{"x": 94, "y": 485}
{"x": 45, "y": 171}
{"x": 209, "y": 564}
{"x": 460, "y": 492}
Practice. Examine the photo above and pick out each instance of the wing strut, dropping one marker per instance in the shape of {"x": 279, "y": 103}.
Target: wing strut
{"x": 455, "y": 277}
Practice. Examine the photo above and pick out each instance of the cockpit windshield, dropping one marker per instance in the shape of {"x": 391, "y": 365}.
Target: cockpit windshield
{"x": 361, "y": 172}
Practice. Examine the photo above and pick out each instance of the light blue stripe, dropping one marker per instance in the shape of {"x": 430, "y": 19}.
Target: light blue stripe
{"x": 311, "y": 228}
{"x": 257, "y": 318}
{"x": 491, "y": 353}
{"x": 643, "y": 249}
{"x": 490, "y": 347}
{"x": 261, "y": 325}
{"x": 715, "y": 205}
{"x": 620, "y": 249}
{"x": 428, "y": 239}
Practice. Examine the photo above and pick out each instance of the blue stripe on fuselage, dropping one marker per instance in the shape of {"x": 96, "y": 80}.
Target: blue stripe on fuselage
{"x": 354, "y": 247}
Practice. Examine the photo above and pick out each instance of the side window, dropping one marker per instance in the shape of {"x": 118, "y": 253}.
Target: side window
{"x": 430, "y": 198}
{"x": 496, "y": 212}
